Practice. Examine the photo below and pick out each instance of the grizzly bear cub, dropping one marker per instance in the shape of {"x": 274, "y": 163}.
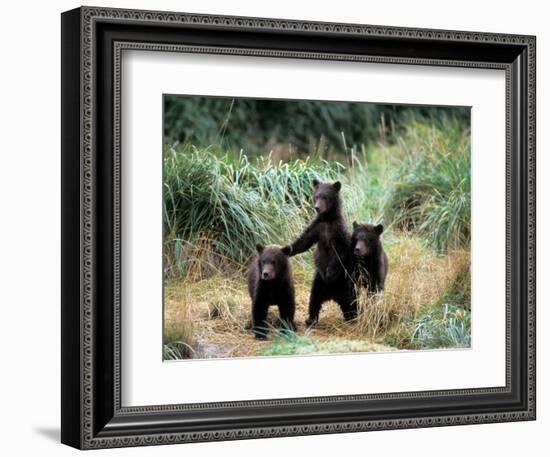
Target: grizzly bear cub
{"x": 371, "y": 262}
{"x": 270, "y": 283}
{"x": 333, "y": 257}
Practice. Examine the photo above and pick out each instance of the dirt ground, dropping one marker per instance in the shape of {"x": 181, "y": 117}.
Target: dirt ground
{"x": 211, "y": 315}
{"x": 220, "y": 313}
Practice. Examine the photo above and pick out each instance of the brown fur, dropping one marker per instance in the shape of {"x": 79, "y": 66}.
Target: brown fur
{"x": 270, "y": 283}
{"x": 333, "y": 259}
{"x": 371, "y": 262}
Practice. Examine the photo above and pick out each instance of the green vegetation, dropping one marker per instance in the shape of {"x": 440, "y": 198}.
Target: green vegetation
{"x": 446, "y": 322}
{"x": 411, "y": 172}
{"x": 295, "y": 344}
{"x": 178, "y": 341}
{"x": 444, "y": 326}
{"x": 436, "y": 326}
{"x": 257, "y": 125}
{"x": 224, "y": 204}
{"x": 431, "y": 192}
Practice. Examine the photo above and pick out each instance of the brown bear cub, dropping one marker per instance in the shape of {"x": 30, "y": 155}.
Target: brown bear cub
{"x": 333, "y": 255}
{"x": 270, "y": 283}
{"x": 371, "y": 262}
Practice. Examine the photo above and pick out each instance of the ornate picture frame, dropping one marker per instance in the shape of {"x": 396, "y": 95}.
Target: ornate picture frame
{"x": 92, "y": 42}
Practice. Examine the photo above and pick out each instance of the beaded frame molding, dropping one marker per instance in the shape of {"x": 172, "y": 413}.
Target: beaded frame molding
{"x": 92, "y": 43}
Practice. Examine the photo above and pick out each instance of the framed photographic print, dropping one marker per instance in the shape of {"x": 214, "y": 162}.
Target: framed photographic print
{"x": 273, "y": 227}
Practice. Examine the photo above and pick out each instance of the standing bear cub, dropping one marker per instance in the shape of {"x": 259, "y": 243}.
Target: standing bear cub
{"x": 333, "y": 258}
{"x": 371, "y": 262}
{"x": 270, "y": 283}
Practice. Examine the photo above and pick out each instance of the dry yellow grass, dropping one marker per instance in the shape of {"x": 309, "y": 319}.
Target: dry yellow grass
{"x": 211, "y": 314}
{"x": 417, "y": 277}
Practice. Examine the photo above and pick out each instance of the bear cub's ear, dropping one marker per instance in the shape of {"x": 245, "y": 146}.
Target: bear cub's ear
{"x": 355, "y": 225}
{"x": 379, "y": 229}
{"x": 259, "y": 248}
{"x": 286, "y": 250}
{"x": 315, "y": 183}
{"x": 337, "y": 185}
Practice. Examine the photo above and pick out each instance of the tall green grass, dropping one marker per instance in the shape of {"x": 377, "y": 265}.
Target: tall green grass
{"x": 218, "y": 204}
{"x": 365, "y": 184}
{"x": 232, "y": 202}
{"x": 430, "y": 191}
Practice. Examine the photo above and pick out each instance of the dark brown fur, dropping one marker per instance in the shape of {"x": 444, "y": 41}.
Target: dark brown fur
{"x": 371, "y": 262}
{"x": 270, "y": 283}
{"x": 333, "y": 259}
